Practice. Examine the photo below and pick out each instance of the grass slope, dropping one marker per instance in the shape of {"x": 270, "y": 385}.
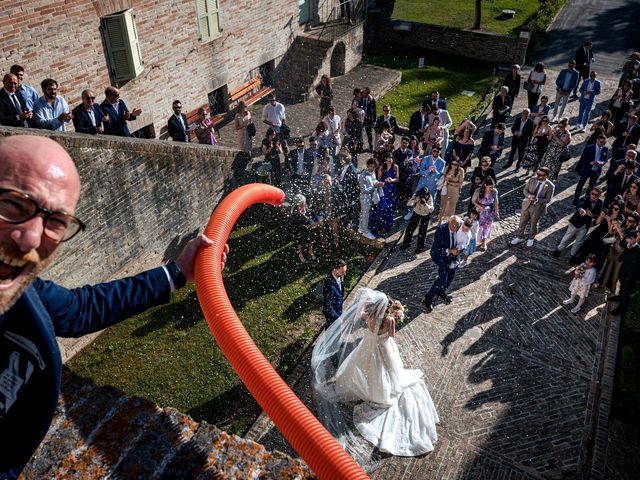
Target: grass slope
{"x": 461, "y": 13}
{"x": 169, "y": 356}
{"x": 449, "y": 75}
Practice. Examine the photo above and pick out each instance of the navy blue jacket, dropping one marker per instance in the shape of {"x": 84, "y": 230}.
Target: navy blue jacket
{"x": 333, "y": 295}
{"x": 442, "y": 243}
{"x": 30, "y": 360}
{"x": 82, "y": 121}
{"x": 116, "y": 125}
{"x": 588, "y": 156}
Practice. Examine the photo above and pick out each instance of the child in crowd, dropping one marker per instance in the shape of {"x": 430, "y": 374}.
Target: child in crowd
{"x": 583, "y": 276}
{"x": 463, "y": 238}
{"x": 473, "y": 216}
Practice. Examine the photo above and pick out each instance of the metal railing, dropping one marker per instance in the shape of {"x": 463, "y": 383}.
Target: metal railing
{"x": 338, "y": 17}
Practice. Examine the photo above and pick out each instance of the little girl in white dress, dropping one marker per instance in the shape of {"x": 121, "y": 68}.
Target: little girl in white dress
{"x": 583, "y": 277}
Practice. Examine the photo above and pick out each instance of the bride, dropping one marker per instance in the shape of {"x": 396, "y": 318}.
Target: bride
{"x": 360, "y": 381}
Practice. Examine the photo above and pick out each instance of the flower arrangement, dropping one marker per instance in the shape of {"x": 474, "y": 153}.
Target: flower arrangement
{"x": 579, "y": 271}
{"x": 397, "y": 311}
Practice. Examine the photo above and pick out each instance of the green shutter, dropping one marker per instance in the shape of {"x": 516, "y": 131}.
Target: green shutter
{"x": 122, "y": 46}
{"x": 208, "y": 19}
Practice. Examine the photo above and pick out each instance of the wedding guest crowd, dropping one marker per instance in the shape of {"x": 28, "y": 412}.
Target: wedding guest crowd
{"x": 415, "y": 170}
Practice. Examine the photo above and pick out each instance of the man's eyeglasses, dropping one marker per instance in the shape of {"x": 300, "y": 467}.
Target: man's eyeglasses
{"x": 595, "y": 195}
{"x": 90, "y": 98}
{"x": 16, "y": 208}
{"x": 177, "y": 107}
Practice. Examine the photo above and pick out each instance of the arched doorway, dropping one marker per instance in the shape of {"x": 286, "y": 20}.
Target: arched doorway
{"x": 338, "y": 60}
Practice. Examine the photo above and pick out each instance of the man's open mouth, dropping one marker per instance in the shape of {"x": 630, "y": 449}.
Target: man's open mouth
{"x": 10, "y": 269}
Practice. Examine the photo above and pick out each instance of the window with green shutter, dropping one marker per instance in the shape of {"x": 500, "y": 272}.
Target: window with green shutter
{"x": 208, "y": 17}
{"x": 122, "y": 48}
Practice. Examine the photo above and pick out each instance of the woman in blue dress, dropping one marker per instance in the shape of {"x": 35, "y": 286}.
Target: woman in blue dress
{"x": 382, "y": 217}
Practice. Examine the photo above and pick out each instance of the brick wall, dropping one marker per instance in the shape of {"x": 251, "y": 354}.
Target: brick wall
{"x": 490, "y": 47}
{"x": 61, "y": 40}
{"x": 141, "y": 202}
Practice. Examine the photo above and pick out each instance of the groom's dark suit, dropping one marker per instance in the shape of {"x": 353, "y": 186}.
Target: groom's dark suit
{"x": 443, "y": 240}
{"x": 333, "y": 293}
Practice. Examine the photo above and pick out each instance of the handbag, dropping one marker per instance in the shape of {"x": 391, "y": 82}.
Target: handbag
{"x": 285, "y": 131}
{"x": 251, "y": 130}
{"x": 440, "y": 183}
{"x": 528, "y": 84}
{"x": 376, "y": 195}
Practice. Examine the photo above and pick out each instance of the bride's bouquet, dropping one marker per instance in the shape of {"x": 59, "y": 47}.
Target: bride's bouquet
{"x": 397, "y": 311}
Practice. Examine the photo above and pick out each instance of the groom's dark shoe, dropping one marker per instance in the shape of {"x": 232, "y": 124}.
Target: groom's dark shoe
{"x": 445, "y": 298}
{"x": 428, "y": 307}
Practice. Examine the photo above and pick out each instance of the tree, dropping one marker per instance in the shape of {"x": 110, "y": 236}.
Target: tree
{"x": 476, "y": 22}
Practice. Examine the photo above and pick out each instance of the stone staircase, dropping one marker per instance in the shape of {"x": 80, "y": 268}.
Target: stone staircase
{"x": 300, "y": 69}
{"x": 99, "y": 432}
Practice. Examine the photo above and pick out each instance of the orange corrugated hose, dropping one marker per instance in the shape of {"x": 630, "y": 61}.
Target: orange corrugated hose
{"x": 304, "y": 432}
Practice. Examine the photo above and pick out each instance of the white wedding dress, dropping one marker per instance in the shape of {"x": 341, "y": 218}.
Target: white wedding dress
{"x": 393, "y": 409}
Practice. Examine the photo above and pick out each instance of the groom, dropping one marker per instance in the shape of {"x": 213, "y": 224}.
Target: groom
{"x": 443, "y": 252}
{"x": 333, "y": 292}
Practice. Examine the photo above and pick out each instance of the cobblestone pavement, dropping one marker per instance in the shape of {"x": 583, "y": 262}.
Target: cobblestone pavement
{"x": 514, "y": 375}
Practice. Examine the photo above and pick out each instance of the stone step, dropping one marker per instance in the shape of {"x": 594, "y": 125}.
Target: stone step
{"x": 100, "y": 432}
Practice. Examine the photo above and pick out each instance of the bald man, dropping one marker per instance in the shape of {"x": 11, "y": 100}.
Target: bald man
{"x": 39, "y": 191}
{"x": 13, "y": 107}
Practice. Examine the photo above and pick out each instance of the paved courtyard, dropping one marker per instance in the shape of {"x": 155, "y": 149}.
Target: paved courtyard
{"x": 515, "y": 376}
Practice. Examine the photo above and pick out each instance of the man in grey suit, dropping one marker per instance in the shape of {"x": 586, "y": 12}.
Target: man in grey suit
{"x": 537, "y": 194}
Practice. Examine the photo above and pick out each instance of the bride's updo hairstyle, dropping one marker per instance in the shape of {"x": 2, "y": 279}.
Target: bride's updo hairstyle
{"x": 376, "y": 309}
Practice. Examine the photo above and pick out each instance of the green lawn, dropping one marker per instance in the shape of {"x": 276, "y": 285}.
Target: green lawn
{"x": 449, "y": 75}
{"x": 168, "y": 354}
{"x": 461, "y": 13}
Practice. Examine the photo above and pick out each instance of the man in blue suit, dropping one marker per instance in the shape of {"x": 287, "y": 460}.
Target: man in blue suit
{"x": 435, "y": 100}
{"x": 431, "y": 169}
{"x": 118, "y": 113}
{"x": 591, "y": 162}
{"x": 566, "y": 81}
{"x": 333, "y": 292}
{"x": 88, "y": 117}
{"x": 443, "y": 252}
{"x": 39, "y": 190}
{"x": 589, "y": 90}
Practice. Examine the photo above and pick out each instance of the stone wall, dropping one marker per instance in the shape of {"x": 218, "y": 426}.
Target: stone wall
{"x": 490, "y": 47}
{"x": 61, "y": 40}
{"x": 141, "y": 201}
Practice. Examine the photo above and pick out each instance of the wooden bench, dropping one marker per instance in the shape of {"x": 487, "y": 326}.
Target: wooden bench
{"x": 245, "y": 92}
{"x": 193, "y": 115}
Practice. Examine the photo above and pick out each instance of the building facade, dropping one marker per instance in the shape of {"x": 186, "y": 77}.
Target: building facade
{"x": 195, "y": 51}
